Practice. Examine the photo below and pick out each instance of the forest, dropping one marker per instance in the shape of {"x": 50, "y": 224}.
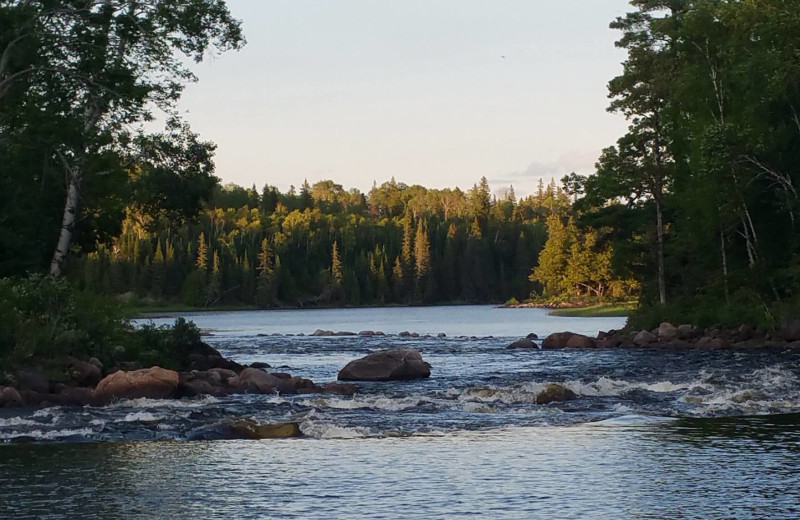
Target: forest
{"x": 692, "y": 212}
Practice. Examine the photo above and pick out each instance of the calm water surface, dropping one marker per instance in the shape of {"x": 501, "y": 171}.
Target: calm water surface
{"x": 651, "y": 435}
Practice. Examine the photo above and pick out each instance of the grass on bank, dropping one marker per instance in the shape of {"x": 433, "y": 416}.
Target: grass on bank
{"x": 616, "y": 310}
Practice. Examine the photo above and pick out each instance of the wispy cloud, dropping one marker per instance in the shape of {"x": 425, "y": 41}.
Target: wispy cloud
{"x": 525, "y": 180}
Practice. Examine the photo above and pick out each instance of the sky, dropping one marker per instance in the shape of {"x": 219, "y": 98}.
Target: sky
{"x": 432, "y": 92}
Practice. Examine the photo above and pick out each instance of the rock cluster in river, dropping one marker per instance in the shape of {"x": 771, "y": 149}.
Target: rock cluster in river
{"x": 668, "y": 336}
{"x": 209, "y": 374}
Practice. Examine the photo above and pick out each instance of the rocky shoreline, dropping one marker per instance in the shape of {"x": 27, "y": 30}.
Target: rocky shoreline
{"x": 668, "y": 336}
{"x": 207, "y": 372}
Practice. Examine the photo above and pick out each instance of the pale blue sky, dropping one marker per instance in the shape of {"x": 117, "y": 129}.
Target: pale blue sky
{"x": 432, "y": 92}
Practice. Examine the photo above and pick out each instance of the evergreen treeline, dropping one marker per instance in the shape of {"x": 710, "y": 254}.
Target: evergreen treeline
{"x": 325, "y": 245}
{"x": 700, "y": 197}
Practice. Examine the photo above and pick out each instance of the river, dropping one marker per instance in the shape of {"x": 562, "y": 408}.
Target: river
{"x": 652, "y": 434}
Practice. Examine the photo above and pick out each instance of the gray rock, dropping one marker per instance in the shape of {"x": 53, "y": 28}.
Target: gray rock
{"x": 581, "y": 341}
{"x": 557, "y": 340}
{"x": 523, "y": 343}
{"x": 791, "y": 330}
{"x": 667, "y": 332}
{"x": 253, "y": 380}
{"x": 554, "y": 392}
{"x": 33, "y": 381}
{"x": 686, "y": 331}
{"x": 387, "y": 365}
{"x": 644, "y": 338}
{"x": 9, "y": 397}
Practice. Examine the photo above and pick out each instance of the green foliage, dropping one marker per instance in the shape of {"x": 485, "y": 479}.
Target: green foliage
{"x": 701, "y": 192}
{"x": 166, "y": 346}
{"x": 402, "y": 244}
{"x": 44, "y": 317}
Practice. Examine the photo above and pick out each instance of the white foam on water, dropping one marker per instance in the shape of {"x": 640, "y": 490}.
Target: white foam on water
{"x": 357, "y": 403}
{"x": 18, "y": 421}
{"x": 50, "y": 435}
{"x": 621, "y": 408}
{"x": 51, "y": 411}
{"x": 630, "y": 420}
{"x": 528, "y": 392}
{"x": 144, "y": 417}
{"x": 324, "y": 430}
{"x": 144, "y": 402}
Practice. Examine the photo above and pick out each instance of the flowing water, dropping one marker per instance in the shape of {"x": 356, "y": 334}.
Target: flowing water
{"x": 652, "y": 434}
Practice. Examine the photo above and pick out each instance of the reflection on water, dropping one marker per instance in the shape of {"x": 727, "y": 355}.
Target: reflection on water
{"x": 462, "y": 320}
{"x": 649, "y": 435}
{"x": 735, "y": 468}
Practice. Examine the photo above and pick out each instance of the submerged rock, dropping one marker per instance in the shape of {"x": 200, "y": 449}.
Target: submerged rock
{"x": 340, "y": 388}
{"x": 245, "y": 429}
{"x": 554, "y": 392}
{"x": 153, "y": 383}
{"x": 388, "y": 365}
{"x": 251, "y": 429}
{"x": 523, "y": 343}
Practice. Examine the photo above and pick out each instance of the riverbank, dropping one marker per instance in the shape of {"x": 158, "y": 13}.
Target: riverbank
{"x": 579, "y": 309}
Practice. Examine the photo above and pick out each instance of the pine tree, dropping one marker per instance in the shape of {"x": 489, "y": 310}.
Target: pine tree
{"x": 422, "y": 261}
{"x": 214, "y": 289}
{"x": 265, "y": 295}
{"x": 202, "y": 253}
{"x": 336, "y": 265}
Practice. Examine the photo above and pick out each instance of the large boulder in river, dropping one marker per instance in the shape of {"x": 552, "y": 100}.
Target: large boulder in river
{"x": 557, "y": 340}
{"x": 581, "y": 341}
{"x": 153, "y": 383}
{"x": 387, "y": 365}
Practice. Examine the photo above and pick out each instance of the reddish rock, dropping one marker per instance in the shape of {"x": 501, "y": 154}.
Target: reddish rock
{"x": 224, "y": 374}
{"x": 581, "y": 341}
{"x": 9, "y": 397}
{"x": 557, "y": 340}
{"x": 644, "y": 338}
{"x": 84, "y": 373}
{"x": 667, "y": 332}
{"x": 523, "y": 343}
{"x": 554, "y": 392}
{"x": 340, "y": 388}
{"x": 76, "y": 395}
{"x": 252, "y": 380}
{"x": 388, "y": 365}
{"x": 304, "y": 386}
{"x": 711, "y": 343}
{"x": 153, "y": 383}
